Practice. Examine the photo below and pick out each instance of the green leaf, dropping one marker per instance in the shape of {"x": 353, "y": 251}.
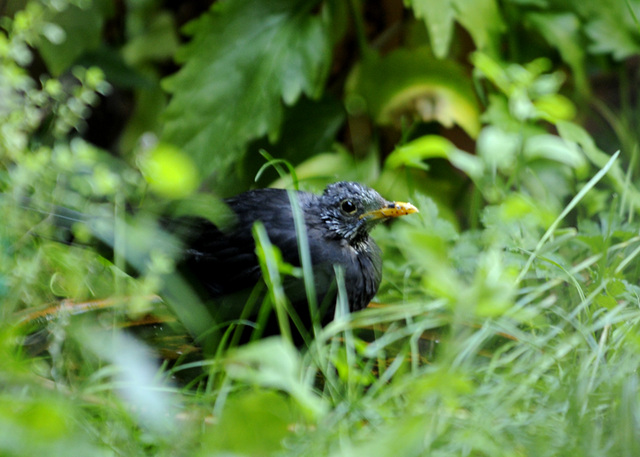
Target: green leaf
{"x": 555, "y": 148}
{"x": 246, "y": 58}
{"x": 170, "y": 172}
{"x": 411, "y": 83}
{"x": 606, "y": 301}
{"x": 158, "y": 42}
{"x": 322, "y": 169}
{"x": 413, "y": 153}
{"x": 438, "y": 16}
{"x": 562, "y": 31}
{"x": 493, "y": 288}
{"x": 273, "y": 363}
{"x": 253, "y": 423}
{"x": 577, "y": 134}
{"x": 483, "y": 21}
{"x": 481, "y": 18}
{"x": 554, "y": 107}
{"x": 42, "y": 424}
{"x": 608, "y": 37}
{"x": 78, "y": 30}
{"x": 297, "y": 143}
{"x": 498, "y": 148}
{"x": 612, "y": 27}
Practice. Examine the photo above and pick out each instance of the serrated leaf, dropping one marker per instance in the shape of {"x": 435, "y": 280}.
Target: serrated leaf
{"x": 611, "y": 27}
{"x": 606, "y": 301}
{"x": 246, "y": 58}
{"x": 438, "y": 16}
{"x": 609, "y": 37}
{"x": 482, "y": 19}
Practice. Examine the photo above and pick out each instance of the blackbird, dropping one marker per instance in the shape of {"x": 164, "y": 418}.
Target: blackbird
{"x": 337, "y": 224}
{"x": 222, "y": 264}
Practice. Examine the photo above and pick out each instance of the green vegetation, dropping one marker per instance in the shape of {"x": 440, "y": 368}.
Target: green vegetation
{"x": 508, "y": 321}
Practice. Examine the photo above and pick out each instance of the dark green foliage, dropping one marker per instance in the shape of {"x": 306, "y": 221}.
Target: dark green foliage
{"x": 244, "y": 61}
{"x": 508, "y": 318}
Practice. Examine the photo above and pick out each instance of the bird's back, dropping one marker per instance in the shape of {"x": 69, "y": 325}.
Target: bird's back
{"x": 224, "y": 260}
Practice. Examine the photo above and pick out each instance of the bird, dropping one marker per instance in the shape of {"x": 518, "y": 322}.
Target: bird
{"x": 338, "y": 223}
{"x": 220, "y": 262}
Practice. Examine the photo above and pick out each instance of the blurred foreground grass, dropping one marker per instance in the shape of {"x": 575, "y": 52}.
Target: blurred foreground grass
{"x": 507, "y": 321}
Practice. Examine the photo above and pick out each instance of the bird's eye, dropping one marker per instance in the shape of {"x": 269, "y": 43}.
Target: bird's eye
{"x": 348, "y": 206}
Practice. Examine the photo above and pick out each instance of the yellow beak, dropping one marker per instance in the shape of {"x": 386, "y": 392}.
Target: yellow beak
{"x": 392, "y": 209}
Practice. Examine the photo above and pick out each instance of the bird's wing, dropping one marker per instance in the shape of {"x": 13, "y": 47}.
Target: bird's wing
{"x": 224, "y": 261}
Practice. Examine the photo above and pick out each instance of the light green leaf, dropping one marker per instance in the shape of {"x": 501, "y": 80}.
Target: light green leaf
{"x": 562, "y": 31}
{"x": 322, "y": 169}
{"x": 245, "y": 58}
{"x": 482, "y": 19}
{"x": 554, "y": 148}
{"x": 555, "y": 107}
{"x": 253, "y": 423}
{"x": 170, "y": 172}
{"x": 43, "y": 424}
{"x": 438, "y": 16}
{"x": 415, "y": 152}
{"x": 273, "y": 363}
{"x": 612, "y": 27}
{"x": 498, "y": 148}
{"x": 493, "y": 288}
{"x": 611, "y": 37}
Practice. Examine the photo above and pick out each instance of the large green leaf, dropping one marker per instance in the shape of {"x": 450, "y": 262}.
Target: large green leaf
{"x": 412, "y": 84}
{"x": 246, "y": 58}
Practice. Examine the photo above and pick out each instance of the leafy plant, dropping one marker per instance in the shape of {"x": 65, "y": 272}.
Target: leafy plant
{"x": 507, "y": 319}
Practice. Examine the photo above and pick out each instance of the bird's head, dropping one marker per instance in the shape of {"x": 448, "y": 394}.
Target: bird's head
{"x": 350, "y": 210}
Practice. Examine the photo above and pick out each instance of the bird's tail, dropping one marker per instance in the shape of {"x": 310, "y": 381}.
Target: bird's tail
{"x": 140, "y": 239}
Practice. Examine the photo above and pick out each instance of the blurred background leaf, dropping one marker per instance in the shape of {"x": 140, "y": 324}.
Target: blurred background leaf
{"x": 233, "y": 83}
